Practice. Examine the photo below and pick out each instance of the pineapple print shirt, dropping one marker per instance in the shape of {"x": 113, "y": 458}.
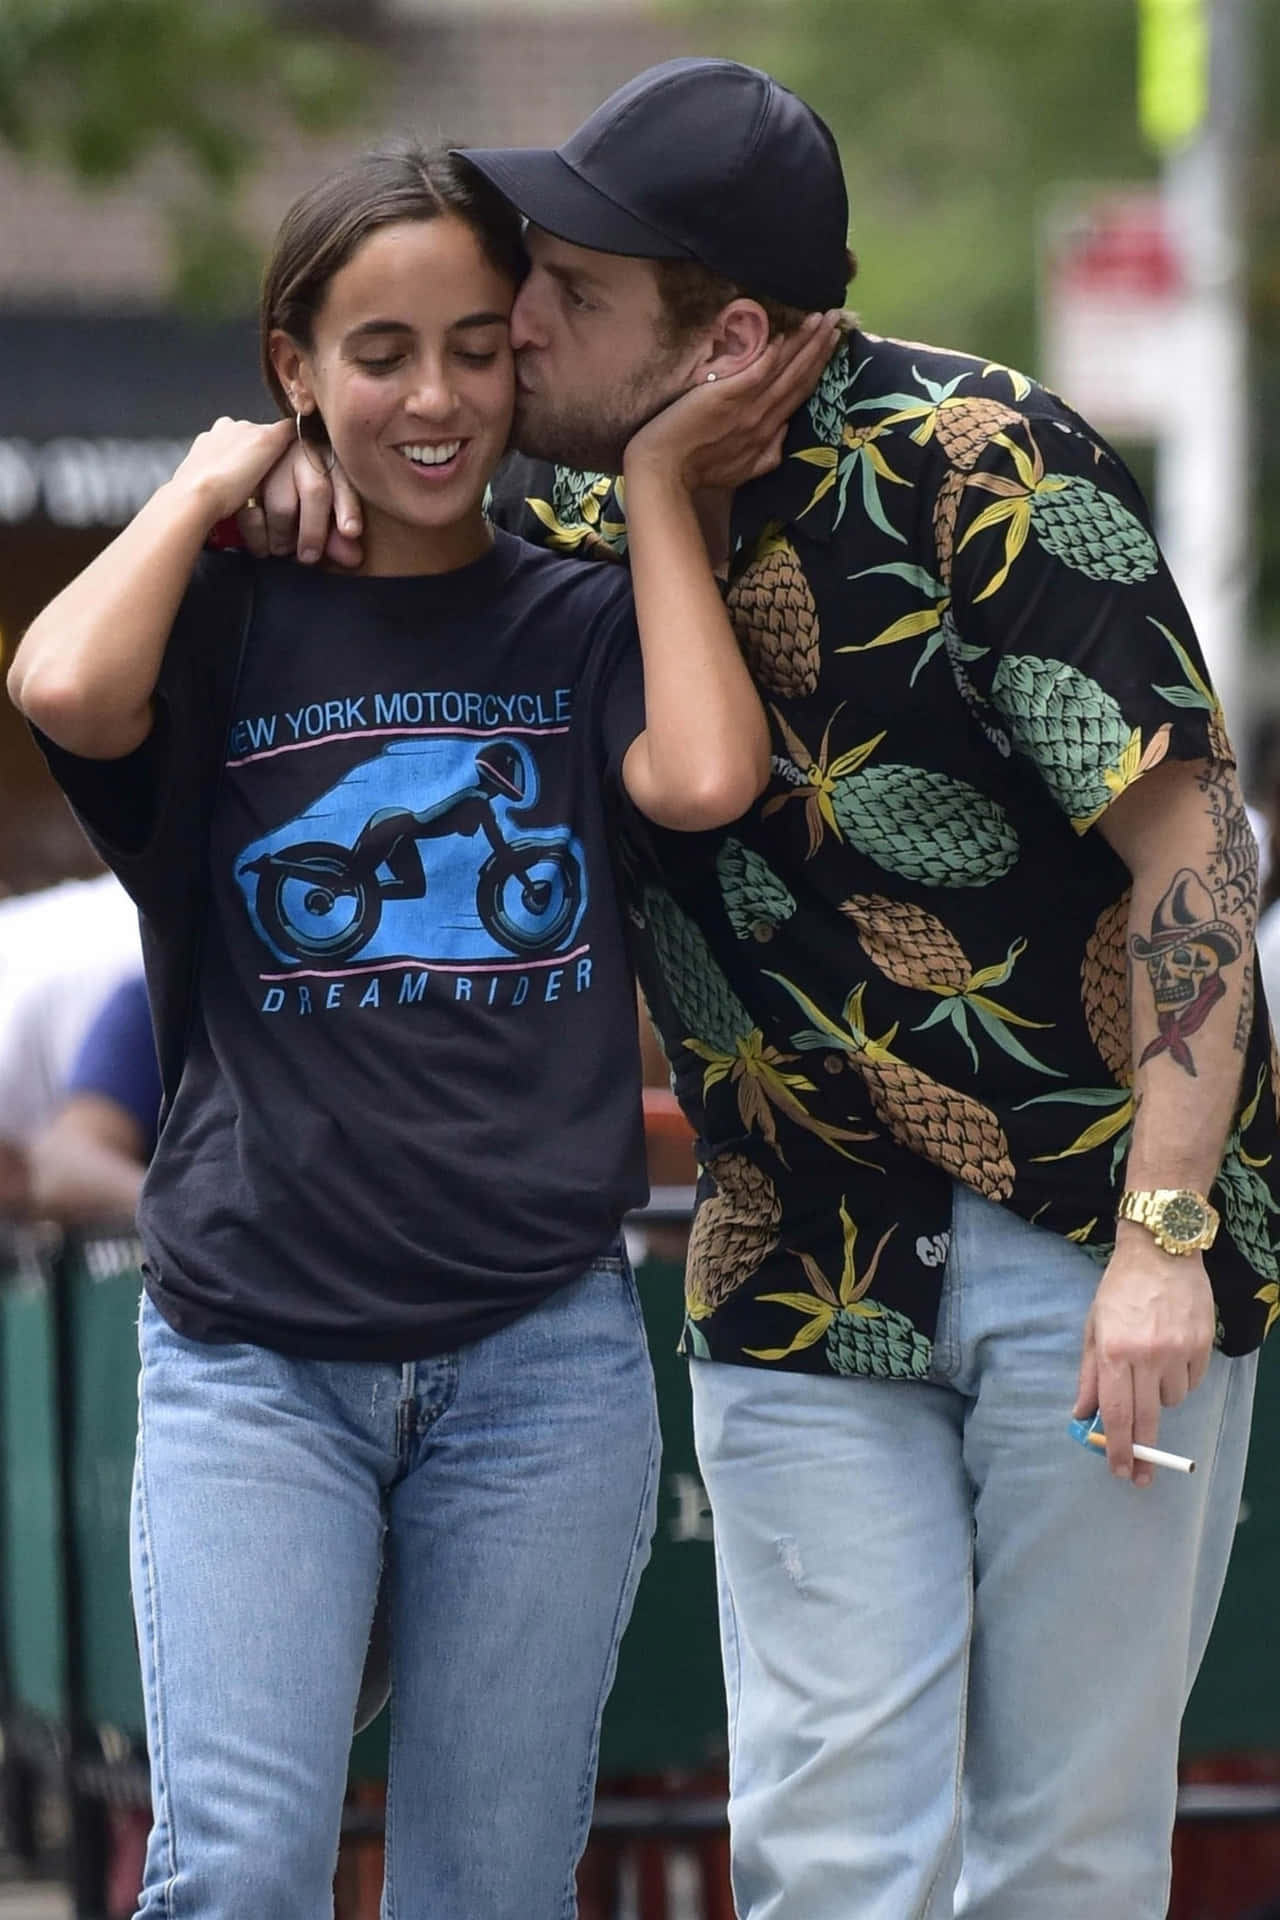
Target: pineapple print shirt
{"x": 905, "y": 966}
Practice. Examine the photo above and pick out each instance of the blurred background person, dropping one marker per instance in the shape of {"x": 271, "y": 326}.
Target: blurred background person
{"x": 88, "y": 1164}
{"x": 63, "y": 949}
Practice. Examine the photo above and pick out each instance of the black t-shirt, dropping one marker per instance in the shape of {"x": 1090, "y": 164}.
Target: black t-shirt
{"x": 409, "y": 1107}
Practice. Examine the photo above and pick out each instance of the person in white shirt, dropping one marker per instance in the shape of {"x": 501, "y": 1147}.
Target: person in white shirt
{"x": 62, "y": 951}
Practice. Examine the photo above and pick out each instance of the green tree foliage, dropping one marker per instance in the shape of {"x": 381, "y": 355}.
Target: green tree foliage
{"x": 959, "y": 122}
{"x": 101, "y": 87}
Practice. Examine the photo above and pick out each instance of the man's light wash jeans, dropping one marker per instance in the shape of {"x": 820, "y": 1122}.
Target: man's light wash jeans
{"x": 516, "y": 1482}
{"x": 957, "y": 1651}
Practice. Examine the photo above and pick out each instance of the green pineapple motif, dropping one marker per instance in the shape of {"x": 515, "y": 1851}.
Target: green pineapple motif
{"x": 885, "y": 1346}
{"x": 720, "y": 1031}
{"x": 575, "y": 518}
{"x": 1073, "y": 518}
{"x": 1068, "y": 725}
{"x": 1247, "y": 1210}
{"x": 1247, "y": 1206}
{"x": 961, "y": 655}
{"x": 570, "y": 488}
{"x": 755, "y": 899}
{"x": 912, "y": 821}
{"x": 1089, "y": 530}
{"x": 1076, "y": 733}
{"x": 827, "y": 404}
{"x": 705, "y": 1001}
{"x": 925, "y": 826}
{"x": 862, "y": 1336}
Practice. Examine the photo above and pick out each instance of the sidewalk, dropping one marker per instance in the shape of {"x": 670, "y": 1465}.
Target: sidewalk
{"x": 33, "y": 1900}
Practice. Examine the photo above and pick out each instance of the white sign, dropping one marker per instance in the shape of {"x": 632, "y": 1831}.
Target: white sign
{"x": 1112, "y": 301}
{"x": 82, "y": 483}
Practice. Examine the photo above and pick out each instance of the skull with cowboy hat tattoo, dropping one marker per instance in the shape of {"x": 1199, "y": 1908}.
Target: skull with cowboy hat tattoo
{"x": 1184, "y": 957}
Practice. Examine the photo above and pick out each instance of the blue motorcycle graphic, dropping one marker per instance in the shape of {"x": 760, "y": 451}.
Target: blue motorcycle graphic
{"x": 322, "y": 900}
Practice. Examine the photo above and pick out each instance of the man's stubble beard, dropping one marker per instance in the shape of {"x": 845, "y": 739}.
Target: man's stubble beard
{"x": 592, "y": 439}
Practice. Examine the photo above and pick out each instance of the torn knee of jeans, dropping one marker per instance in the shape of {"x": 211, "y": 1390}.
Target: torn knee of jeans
{"x": 788, "y": 1552}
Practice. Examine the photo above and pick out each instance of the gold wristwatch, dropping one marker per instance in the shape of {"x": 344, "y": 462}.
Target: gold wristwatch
{"x": 1178, "y": 1219}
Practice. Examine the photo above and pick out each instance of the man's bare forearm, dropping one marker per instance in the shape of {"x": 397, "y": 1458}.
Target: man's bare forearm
{"x": 1194, "y": 860}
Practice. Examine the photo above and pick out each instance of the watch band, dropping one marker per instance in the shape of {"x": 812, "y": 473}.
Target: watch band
{"x": 1179, "y": 1219}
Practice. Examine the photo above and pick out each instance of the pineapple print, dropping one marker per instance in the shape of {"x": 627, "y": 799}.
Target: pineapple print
{"x": 1104, "y": 990}
{"x": 1089, "y": 530}
{"x": 911, "y": 821}
{"x": 862, "y": 1337}
{"x": 913, "y": 949}
{"x": 908, "y": 945}
{"x": 1244, "y": 1016}
{"x": 925, "y": 826}
{"x": 1072, "y": 518}
{"x": 1247, "y": 1208}
{"x": 574, "y": 516}
{"x": 755, "y": 899}
{"x": 1104, "y": 997}
{"x": 827, "y": 404}
{"x": 946, "y": 510}
{"x": 884, "y": 1344}
{"x": 966, "y": 423}
{"x": 1247, "y": 1205}
{"x": 570, "y": 488}
{"x": 720, "y": 1031}
{"x": 960, "y": 654}
{"x": 948, "y": 1128}
{"x": 963, "y": 427}
{"x": 706, "y": 1003}
{"x": 961, "y": 423}
{"x": 776, "y": 620}
{"x": 1196, "y": 692}
{"x": 732, "y": 1233}
{"x": 1074, "y": 732}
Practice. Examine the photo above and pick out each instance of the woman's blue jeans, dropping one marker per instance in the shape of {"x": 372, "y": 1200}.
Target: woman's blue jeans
{"x": 957, "y": 1650}
{"x": 512, "y": 1486}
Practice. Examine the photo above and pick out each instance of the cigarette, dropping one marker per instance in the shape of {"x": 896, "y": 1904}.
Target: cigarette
{"x": 1155, "y": 1456}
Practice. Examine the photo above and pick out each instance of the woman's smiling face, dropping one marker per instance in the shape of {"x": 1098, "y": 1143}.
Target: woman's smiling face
{"x": 410, "y": 367}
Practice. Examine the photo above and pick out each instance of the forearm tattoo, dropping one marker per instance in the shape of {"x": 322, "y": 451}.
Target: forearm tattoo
{"x": 1203, "y": 922}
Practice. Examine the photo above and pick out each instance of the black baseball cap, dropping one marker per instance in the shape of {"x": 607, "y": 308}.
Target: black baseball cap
{"x": 695, "y": 160}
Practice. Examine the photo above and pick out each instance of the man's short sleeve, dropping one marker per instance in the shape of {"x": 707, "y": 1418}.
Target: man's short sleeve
{"x": 1065, "y": 619}
{"x": 117, "y": 1058}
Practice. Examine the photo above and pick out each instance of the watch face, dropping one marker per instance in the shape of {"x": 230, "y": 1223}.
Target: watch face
{"x": 1184, "y": 1218}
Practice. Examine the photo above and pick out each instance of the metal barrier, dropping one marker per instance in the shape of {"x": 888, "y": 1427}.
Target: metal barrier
{"x": 70, "y": 1698}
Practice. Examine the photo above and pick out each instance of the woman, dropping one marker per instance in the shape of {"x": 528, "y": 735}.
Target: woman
{"x": 365, "y": 821}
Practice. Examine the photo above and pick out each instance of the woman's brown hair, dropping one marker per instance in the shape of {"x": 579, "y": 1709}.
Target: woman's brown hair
{"x": 326, "y": 224}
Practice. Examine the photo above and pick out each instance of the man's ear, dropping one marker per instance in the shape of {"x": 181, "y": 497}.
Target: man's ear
{"x": 738, "y": 336}
{"x": 292, "y": 370}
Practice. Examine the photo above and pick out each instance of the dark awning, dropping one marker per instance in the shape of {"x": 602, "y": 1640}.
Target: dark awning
{"x": 97, "y": 409}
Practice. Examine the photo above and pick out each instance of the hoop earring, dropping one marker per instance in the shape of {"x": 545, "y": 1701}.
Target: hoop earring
{"x": 305, "y": 444}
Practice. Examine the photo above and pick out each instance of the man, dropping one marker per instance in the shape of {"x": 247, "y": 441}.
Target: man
{"x": 973, "y": 976}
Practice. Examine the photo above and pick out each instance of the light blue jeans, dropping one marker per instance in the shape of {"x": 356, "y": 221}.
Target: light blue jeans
{"x": 957, "y": 1651}
{"x": 515, "y": 1484}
